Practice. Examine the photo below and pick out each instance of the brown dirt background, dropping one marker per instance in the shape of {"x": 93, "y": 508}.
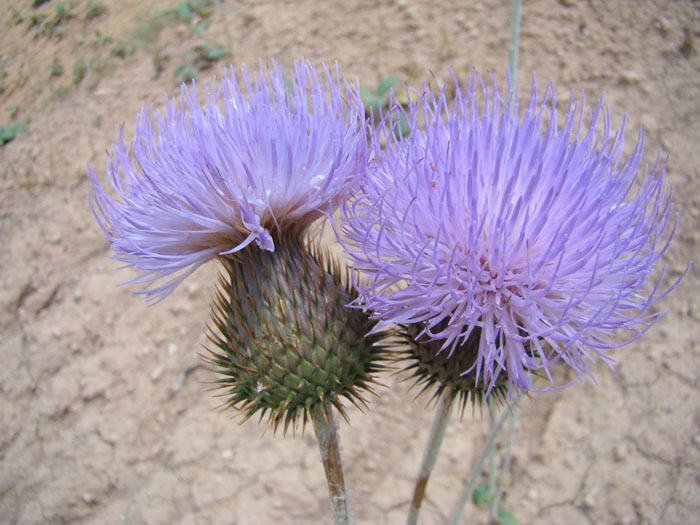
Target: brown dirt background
{"x": 104, "y": 414}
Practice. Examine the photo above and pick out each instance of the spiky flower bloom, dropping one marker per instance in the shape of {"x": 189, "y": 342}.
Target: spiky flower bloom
{"x": 504, "y": 244}
{"x": 202, "y": 181}
{"x": 259, "y": 161}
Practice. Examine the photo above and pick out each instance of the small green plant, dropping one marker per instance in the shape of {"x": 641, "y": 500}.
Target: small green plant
{"x": 60, "y": 92}
{"x": 206, "y": 53}
{"x": 61, "y": 13}
{"x": 80, "y": 68}
{"x": 203, "y": 8}
{"x": 185, "y": 72}
{"x": 37, "y": 3}
{"x": 379, "y": 99}
{"x": 147, "y": 32}
{"x": 35, "y": 20}
{"x": 119, "y": 50}
{"x": 50, "y": 26}
{"x": 10, "y": 132}
{"x": 17, "y": 17}
{"x": 204, "y": 56}
{"x": 55, "y": 68}
{"x": 92, "y": 83}
{"x": 14, "y": 109}
{"x": 184, "y": 12}
{"x": 3, "y": 75}
{"x": 374, "y": 100}
{"x": 102, "y": 40}
{"x": 53, "y": 26}
{"x": 94, "y": 9}
{"x": 482, "y": 495}
{"x": 506, "y": 517}
{"x": 200, "y": 28}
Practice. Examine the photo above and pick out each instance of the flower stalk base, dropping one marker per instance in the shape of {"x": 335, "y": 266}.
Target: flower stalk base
{"x": 326, "y": 431}
{"x": 437, "y": 432}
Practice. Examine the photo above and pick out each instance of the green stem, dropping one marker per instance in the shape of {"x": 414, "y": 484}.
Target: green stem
{"x": 479, "y": 467}
{"x": 493, "y": 475}
{"x": 515, "y": 38}
{"x": 432, "y": 447}
{"x": 326, "y": 431}
{"x": 506, "y": 463}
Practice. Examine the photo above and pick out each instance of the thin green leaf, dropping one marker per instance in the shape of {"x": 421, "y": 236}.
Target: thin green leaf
{"x": 402, "y": 128}
{"x": 505, "y": 517}
{"x": 482, "y": 495}
{"x": 184, "y": 12}
{"x": 9, "y": 133}
{"x": 387, "y": 84}
{"x": 369, "y": 99}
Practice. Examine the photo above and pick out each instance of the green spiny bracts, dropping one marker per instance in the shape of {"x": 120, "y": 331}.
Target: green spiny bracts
{"x": 285, "y": 340}
{"x": 428, "y": 366}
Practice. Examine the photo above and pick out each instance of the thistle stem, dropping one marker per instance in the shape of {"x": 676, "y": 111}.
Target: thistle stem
{"x": 326, "y": 430}
{"x": 506, "y": 463}
{"x": 437, "y": 432}
{"x": 479, "y": 467}
{"x": 494, "y": 487}
{"x": 514, "y": 38}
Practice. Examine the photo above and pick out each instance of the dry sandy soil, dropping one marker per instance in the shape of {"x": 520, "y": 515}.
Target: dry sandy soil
{"x": 104, "y": 413}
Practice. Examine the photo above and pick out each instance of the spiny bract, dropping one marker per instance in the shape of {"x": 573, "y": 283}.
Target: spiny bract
{"x": 285, "y": 341}
{"x": 431, "y": 368}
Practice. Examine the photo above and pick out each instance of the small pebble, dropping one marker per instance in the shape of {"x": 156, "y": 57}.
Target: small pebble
{"x": 54, "y": 238}
{"x": 630, "y": 77}
{"x": 227, "y": 453}
{"x": 650, "y": 123}
{"x": 663, "y": 24}
{"x": 589, "y": 498}
{"x": 620, "y": 452}
{"x": 666, "y": 144}
{"x": 172, "y": 349}
{"x": 157, "y": 372}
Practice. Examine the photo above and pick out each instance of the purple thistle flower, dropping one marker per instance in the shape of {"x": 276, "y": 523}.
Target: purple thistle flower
{"x": 256, "y": 160}
{"x": 527, "y": 241}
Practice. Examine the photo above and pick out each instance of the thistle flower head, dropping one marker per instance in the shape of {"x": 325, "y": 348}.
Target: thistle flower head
{"x": 285, "y": 343}
{"x": 508, "y": 243}
{"x": 265, "y": 153}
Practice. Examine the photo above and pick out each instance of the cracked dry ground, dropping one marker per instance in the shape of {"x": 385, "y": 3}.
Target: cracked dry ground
{"x": 104, "y": 414}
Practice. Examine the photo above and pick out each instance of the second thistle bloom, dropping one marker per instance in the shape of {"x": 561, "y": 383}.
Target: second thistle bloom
{"x": 503, "y": 244}
{"x": 265, "y": 153}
